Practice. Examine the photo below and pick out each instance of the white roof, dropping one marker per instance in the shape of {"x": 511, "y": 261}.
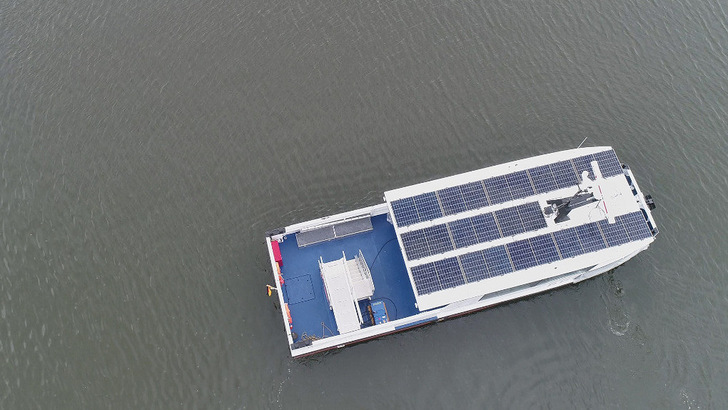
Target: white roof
{"x": 484, "y": 173}
{"x": 613, "y": 195}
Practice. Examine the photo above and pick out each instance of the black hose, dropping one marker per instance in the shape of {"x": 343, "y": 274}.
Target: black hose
{"x": 370, "y": 268}
{"x": 380, "y": 251}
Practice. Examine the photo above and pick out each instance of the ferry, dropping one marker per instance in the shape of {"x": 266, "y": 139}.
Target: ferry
{"x": 455, "y": 245}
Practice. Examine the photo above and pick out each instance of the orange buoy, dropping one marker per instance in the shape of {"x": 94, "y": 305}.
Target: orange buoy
{"x": 290, "y": 319}
{"x": 280, "y": 275}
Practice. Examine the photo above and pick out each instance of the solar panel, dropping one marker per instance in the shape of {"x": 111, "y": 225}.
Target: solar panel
{"x": 608, "y": 163}
{"x": 497, "y": 189}
{"x": 425, "y": 278}
{"x": 438, "y": 239}
{"x": 531, "y": 216}
{"x": 415, "y": 244}
{"x": 519, "y": 184}
{"x": 485, "y": 227}
{"x": 509, "y": 222}
{"x": 564, "y": 174}
{"x": 449, "y": 273}
{"x": 527, "y": 253}
{"x": 582, "y": 164}
{"x": 614, "y": 233}
{"x": 544, "y": 248}
{"x": 590, "y": 237}
{"x": 474, "y": 195}
{"x": 452, "y": 200}
{"x": 543, "y": 179}
{"x": 466, "y": 232}
{"x": 474, "y": 266}
{"x": 405, "y": 211}
{"x": 497, "y": 260}
{"x": 568, "y": 243}
{"x": 427, "y": 206}
{"x": 636, "y": 226}
{"x": 470, "y": 231}
{"x": 463, "y": 233}
{"x": 521, "y": 254}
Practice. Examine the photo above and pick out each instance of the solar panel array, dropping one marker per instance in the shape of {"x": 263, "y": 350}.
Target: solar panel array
{"x": 527, "y": 253}
{"x": 465, "y": 232}
{"x": 502, "y": 188}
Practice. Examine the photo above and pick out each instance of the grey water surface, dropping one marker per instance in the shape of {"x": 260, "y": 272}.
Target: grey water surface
{"x": 146, "y": 146}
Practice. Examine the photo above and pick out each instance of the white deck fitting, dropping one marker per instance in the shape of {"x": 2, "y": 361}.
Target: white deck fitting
{"x": 346, "y": 282}
{"x": 329, "y": 232}
{"x": 361, "y": 279}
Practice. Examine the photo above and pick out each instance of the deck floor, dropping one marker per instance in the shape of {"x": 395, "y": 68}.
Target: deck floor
{"x": 304, "y": 290}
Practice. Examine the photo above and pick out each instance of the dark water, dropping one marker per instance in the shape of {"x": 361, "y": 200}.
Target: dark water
{"x": 147, "y": 146}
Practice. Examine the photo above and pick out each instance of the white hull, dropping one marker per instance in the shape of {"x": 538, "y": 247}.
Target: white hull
{"x": 468, "y": 298}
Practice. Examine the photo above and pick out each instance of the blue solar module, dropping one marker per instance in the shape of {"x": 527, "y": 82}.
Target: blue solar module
{"x": 497, "y": 260}
{"x": 449, "y": 273}
{"x": 415, "y": 244}
{"x": 474, "y": 195}
{"x": 427, "y": 206}
{"x": 463, "y": 233}
{"x": 636, "y": 226}
{"x": 452, "y": 200}
{"x": 527, "y": 253}
{"x": 584, "y": 164}
{"x": 519, "y": 184}
{"x": 590, "y": 237}
{"x": 564, "y": 174}
{"x": 543, "y": 179}
{"x": 497, "y": 189}
{"x": 474, "y": 266}
{"x": 405, "y": 211}
{"x": 438, "y": 239}
{"x": 608, "y": 163}
{"x": 509, "y": 221}
{"x": 544, "y": 248}
{"x": 470, "y": 231}
{"x": 531, "y": 216}
{"x": 615, "y": 233}
{"x": 521, "y": 254}
{"x": 568, "y": 243}
{"x": 425, "y": 278}
{"x": 485, "y": 227}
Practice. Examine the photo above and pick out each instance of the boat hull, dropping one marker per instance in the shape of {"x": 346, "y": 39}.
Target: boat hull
{"x": 299, "y": 251}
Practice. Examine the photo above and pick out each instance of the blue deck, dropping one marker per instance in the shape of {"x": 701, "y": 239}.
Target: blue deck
{"x": 304, "y": 289}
